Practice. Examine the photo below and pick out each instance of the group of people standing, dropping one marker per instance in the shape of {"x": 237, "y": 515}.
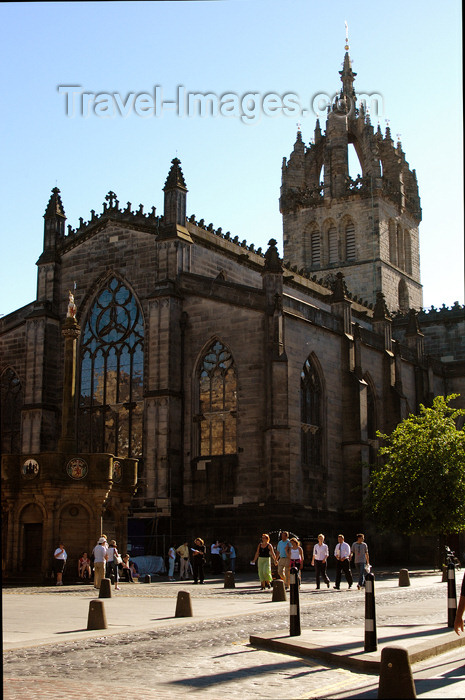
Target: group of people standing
{"x": 192, "y": 560}
{"x": 343, "y": 553}
{"x": 107, "y": 563}
{"x": 289, "y": 554}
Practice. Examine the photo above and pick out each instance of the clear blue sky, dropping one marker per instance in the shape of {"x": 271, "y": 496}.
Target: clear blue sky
{"x": 408, "y": 52}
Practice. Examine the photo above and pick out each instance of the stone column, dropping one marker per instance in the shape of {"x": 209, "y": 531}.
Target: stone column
{"x": 71, "y": 332}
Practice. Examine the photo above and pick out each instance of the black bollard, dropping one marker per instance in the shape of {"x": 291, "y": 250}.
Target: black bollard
{"x": 183, "y": 605}
{"x": 404, "y": 577}
{"x": 229, "y": 581}
{"x": 96, "y": 620}
{"x": 279, "y": 591}
{"x": 451, "y": 596}
{"x": 105, "y": 588}
{"x": 395, "y": 674}
{"x": 295, "y": 605}
{"x": 371, "y": 642}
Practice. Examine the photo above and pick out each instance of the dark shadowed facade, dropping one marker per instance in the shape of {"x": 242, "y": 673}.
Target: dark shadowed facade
{"x": 196, "y": 386}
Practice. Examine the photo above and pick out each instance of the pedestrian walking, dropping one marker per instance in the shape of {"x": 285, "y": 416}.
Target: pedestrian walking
{"x": 171, "y": 562}
{"x": 342, "y": 554}
{"x": 198, "y": 560}
{"x": 215, "y": 557}
{"x": 225, "y": 555}
{"x": 59, "y": 563}
{"x": 112, "y": 563}
{"x": 282, "y": 551}
{"x": 232, "y": 557}
{"x": 183, "y": 551}
{"x": 319, "y": 561}
{"x": 458, "y": 623}
{"x": 100, "y": 557}
{"x": 359, "y": 551}
{"x": 296, "y": 556}
{"x": 264, "y": 555}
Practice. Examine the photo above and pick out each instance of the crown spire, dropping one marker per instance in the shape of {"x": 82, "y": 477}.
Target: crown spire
{"x": 347, "y": 74}
{"x": 55, "y": 205}
{"x": 175, "y": 177}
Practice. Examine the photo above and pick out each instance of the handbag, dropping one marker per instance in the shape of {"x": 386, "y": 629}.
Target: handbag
{"x": 118, "y": 559}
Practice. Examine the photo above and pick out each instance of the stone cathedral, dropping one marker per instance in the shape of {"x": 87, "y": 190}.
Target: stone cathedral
{"x": 193, "y": 385}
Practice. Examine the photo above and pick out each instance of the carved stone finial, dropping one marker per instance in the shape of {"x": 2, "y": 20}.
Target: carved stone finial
{"x": 381, "y": 310}
{"x": 340, "y": 291}
{"x": 413, "y": 326}
{"x": 272, "y": 259}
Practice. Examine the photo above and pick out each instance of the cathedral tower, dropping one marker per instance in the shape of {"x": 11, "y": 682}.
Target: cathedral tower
{"x": 365, "y": 227}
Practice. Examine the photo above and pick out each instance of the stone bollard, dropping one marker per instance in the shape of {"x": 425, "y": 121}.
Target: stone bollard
{"x": 147, "y": 579}
{"x": 183, "y": 605}
{"x": 404, "y": 578}
{"x": 279, "y": 591}
{"x": 97, "y": 619}
{"x": 294, "y": 630}
{"x": 395, "y": 674}
{"x": 371, "y": 640}
{"x": 229, "y": 581}
{"x": 444, "y": 573}
{"x": 105, "y": 588}
{"x": 451, "y": 596}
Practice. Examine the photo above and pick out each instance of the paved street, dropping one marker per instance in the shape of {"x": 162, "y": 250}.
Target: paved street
{"x": 155, "y": 655}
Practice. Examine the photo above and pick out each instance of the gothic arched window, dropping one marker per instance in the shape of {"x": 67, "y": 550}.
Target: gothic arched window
{"x": 332, "y": 245}
{"x": 350, "y": 241}
{"x": 392, "y": 242}
{"x": 400, "y": 247}
{"x": 112, "y": 374}
{"x": 371, "y": 413}
{"x": 11, "y": 401}
{"x": 310, "y": 411}
{"x": 315, "y": 248}
{"x": 403, "y": 297}
{"x": 217, "y": 402}
{"x": 408, "y": 251}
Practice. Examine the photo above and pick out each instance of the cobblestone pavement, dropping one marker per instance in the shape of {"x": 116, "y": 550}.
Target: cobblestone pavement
{"x": 211, "y": 658}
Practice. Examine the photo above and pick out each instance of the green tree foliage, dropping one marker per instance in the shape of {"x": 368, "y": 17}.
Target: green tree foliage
{"x": 420, "y": 487}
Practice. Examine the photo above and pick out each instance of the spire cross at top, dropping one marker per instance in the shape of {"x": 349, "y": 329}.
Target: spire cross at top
{"x": 110, "y": 197}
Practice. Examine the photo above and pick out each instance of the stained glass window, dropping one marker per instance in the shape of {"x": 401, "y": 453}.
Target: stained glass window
{"x": 218, "y": 402}
{"x": 310, "y": 393}
{"x": 112, "y": 374}
{"x": 10, "y": 412}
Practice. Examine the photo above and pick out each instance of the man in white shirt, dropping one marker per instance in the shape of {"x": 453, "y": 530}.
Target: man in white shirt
{"x": 100, "y": 557}
{"x": 59, "y": 563}
{"x": 319, "y": 559}
{"x": 215, "y": 557}
{"x": 342, "y": 554}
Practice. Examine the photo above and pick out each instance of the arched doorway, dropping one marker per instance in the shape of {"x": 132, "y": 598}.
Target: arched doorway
{"x": 32, "y": 531}
{"x": 75, "y": 533}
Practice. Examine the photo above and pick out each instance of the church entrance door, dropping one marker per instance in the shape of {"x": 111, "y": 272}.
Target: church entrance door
{"x": 32, "y": 557}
